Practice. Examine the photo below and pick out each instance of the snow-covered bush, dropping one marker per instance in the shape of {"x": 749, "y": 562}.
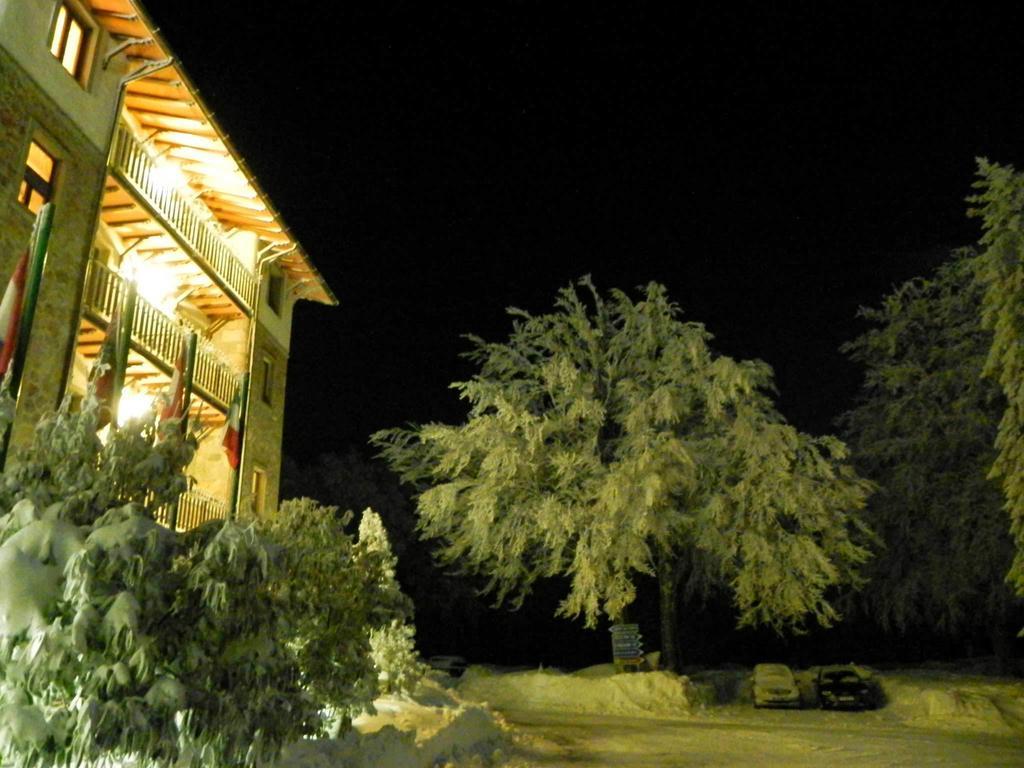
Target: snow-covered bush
{"x": 393, "y": 651}
{"x": 118, "y": 637}
{"x": 319, "y": 584}
{"x": 345, "y": 610}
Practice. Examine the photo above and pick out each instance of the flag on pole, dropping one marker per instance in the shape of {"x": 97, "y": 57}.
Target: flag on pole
{"x": 10, "y": 313}
{"x": 175, "y": 407}
{"x": 102, "y": 375}
{"x": 233, "y": 431}
{"x": 22, "y": 303}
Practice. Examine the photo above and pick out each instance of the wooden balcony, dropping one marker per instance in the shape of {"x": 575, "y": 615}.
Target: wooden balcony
{"x": 158, "y": 337}
{"x": 132, "y": 166}
{"x": 194, "y": 509}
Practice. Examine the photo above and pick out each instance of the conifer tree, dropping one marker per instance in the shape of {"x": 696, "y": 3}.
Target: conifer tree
{"x": 605, "y": 440}
{"x": 999, "y": 204}
{"x": 392, "y": 634}
{"x": 924, "y": 430}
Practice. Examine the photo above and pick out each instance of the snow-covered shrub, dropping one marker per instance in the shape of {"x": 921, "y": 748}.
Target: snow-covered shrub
{"x": 118, "y": 637}
{"x": 68, "y": 464}
{"x": 393, "y": 651}
{"x": 320, "y": 585}
{"x": 345, "y": 610}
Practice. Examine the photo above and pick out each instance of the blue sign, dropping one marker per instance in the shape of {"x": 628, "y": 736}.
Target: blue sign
{"x": 626, "y": 644}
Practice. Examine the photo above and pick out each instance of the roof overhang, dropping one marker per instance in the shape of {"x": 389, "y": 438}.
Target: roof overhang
{"x": 165, "y": 105}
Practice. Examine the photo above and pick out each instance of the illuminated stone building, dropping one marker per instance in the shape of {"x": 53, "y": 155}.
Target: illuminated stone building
{"x": 98, "y": 116}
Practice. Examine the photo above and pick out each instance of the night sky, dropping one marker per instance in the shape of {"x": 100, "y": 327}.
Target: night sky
{"x": 442, "y": 162}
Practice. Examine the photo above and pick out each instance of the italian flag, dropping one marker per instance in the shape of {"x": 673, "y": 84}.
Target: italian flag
{"x": 175, "y": 407}
{"x": 233, "y": 432}
{"x": 102, "y": 374}
{"x": 10, "y": 313}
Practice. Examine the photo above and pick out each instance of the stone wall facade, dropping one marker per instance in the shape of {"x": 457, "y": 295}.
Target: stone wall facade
{"x": 264, "y": 427}
{"x": 28, "y": 114}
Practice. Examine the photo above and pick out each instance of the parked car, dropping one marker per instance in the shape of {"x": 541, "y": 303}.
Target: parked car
{"x": 775, "y": 686}
{"x": 846, "y": 686}
{"x": 452, "y": 665}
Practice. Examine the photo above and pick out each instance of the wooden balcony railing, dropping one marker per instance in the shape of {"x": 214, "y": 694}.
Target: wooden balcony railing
{"x": 158, "y": 337}
{"x": 194, "y": 509}
{"x": 133, "y": 166}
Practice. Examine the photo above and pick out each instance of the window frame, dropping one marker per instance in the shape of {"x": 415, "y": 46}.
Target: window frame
{"x": 259, "y": 491}
{"x": 267, "y": 386}
{"x": 32, "y": 182}
{"x": 275, "y": 291}
{"x": 68, "y": 16}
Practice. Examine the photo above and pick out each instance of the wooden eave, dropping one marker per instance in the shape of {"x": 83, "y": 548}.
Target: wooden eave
{"x": 148, "y": 241}
{"x": 168, "y": 109}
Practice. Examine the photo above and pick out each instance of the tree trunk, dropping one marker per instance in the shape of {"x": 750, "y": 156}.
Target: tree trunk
{"x": 1002, "y": 637}
{"x": 668, "y": 604}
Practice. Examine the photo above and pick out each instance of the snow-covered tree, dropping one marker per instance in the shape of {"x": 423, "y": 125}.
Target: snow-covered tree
{"x": 1000, "y": 269}
{"x": 606, "y": 440}
{"x": 120, "y": 639}
{"x": 394, "y": 655}
{"x": 392, "y": 634}
{"x": 323, "y": 591}
{"x": 447, "y": 605}
{"x": 347, "y": 480}
{"x": 336, "y": 592}
{"x": 924, "y": 430}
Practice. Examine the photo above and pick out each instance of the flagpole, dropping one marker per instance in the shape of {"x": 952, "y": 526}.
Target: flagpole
{"x": 243, "y": 407}
{"x": 38, "y": 244}
{"x": 191, "y": 344}
{"x": 123, "y": 345}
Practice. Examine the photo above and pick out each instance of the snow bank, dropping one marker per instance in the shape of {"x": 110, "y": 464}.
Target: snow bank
{"x": 433, "y": 728}
{"x": 956, "y": 702}
{"x": 596, "y": 690}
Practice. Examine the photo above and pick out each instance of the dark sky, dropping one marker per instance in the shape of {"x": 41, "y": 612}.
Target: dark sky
{"x": 440, "y": 162}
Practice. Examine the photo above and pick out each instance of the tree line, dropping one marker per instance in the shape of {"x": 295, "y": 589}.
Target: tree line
{"x": 607, "y": 440}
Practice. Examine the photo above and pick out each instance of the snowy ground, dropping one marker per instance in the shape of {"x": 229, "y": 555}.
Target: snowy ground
{"x": 596, "y": 718}
{"x": 434, "y": 728}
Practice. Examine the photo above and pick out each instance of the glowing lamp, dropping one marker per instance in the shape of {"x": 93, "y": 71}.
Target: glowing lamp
{"x": 133, "y": 405}
{"x": 167, "y": 176}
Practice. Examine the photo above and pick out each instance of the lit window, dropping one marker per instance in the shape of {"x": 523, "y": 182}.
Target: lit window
{"x": 69, "y": 41}
{"x": 259, "y": 492}
{"x": 37, "y": 183}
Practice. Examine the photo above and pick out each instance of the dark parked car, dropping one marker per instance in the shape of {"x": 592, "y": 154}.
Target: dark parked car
{"x": 452, "y": 665}
{"x": 846, "y": 686}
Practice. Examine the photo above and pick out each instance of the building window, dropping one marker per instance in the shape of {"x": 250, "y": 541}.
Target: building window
{"x": 275, "y": 292}
{"x": 70, "y": 41}
{"x": 268, "y": 380}
{"x": 259, "y": 492}
{"x": 37, "y": 183}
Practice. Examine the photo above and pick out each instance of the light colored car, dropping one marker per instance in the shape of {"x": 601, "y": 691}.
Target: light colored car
{"x": 775, "y": 686}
